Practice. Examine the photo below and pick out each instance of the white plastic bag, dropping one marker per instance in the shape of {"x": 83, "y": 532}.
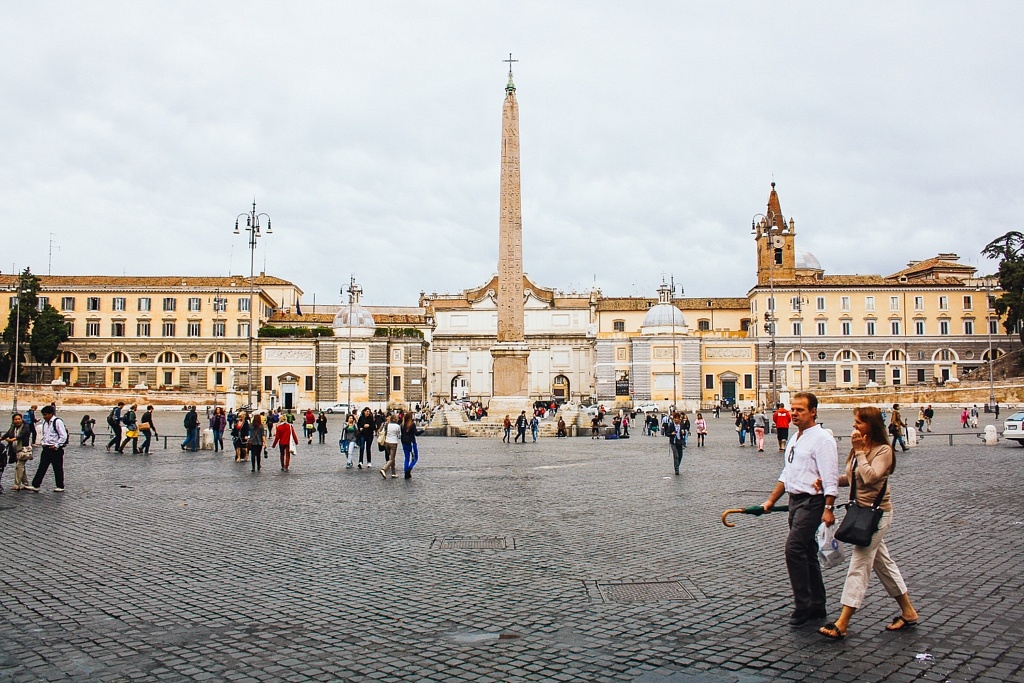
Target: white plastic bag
{"x": 830, "y": 551}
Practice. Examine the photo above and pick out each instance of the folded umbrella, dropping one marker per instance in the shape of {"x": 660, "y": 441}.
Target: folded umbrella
{"x": 755, "y": 510}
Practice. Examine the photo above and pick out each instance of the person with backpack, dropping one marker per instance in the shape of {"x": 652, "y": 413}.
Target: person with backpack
{"x": 30, "y": 420}
{"x": 114, "y": 422}
{"x": 53, "y": 441}
{"x": 87, "y": 431}
{"x": 535, "y": 428}
{"x": 131, "y": 431}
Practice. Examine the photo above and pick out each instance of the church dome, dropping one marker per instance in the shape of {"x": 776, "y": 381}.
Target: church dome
{"x": 664, "y": 315}
{"x": 805, "y": 260}
{"x": 361, "y": 318}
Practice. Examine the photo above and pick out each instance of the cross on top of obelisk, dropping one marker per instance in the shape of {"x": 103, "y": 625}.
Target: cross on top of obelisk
{"x": 511, "y": 86}
{"x": 510, "y": 62}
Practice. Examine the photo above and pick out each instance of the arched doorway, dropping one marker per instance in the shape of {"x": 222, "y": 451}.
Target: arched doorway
{"x": 560, "y": 388}
{"x": 460, "y": 387}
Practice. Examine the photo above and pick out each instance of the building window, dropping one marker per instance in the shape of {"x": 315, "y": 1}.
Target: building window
{"x": 116, "y": 329}
{"x": 396, "y": 383}
{"x": 704, "y": 325}
{"x": 846, "y": 328}
{"x": 92, "y": 328}
{"x": 92, "y": 303}
{"x": 920, "y": 375}
{"x": 748, "y": 381}
{"x": 70, "y": 325}
{"x": 170, "y": 303}
{"x": 218, "y": 378}
{"x": 117, "y": 378}
{"x": 145, "y": 303}
{"x": 268, "y": 382}
{"x": 918, "y": 303}
{"x": 943, "y": 303}
{"x": 243, "y": 305}
{"x": 919, "y": 327}
{"x": 820, "y": 303}
{"x": 844, "y": 303}
{"x": 895, "y": 327}
{"x": 847, "y": 375}
{"x": 795, "y": 304}
{"x": 195, "y": 304}
{"x": 943, "y": 327}
{"x": 846, "y": 354}
{"x": 821, "y": 355}
{"x": 168, "y": 377}
{"x": 894, "y": 303}
{"x": 871, "y": 375}
{"x": 822, "y": 376}
{"x": 822, "y": 329}
{"x": 309, "y": 382}
{"x": 118, "y": 303}
{"x": 968, "y": 302}
{"x": 869, "y": 303}
{"x": 771, "y": 303}
{"x": 797, "y": 329}
{"x": 42, "y": 302}
{"x": 871, "y": 355}
{"x": 870, "y": 328}
{"x": 619, "y": 325}
{"x": 709, "y": 381}
{"x": 944, "y": 354}
{"x": 67, "y": 303}
{"x": 142, "y": 328}
{"x": 993, "y": 326}
{"x": 220, "y": 304}
{"x": 117, "y": 357}
{"x": 745, "y": 325}
{"x": 219, "y": 329}
{"x": 771, "y": 376}
{"x": 168, "y": 329}
{"x": 968, "y": 327}
{"x": 194, "y": 329}
{"x": 243, "y": 329}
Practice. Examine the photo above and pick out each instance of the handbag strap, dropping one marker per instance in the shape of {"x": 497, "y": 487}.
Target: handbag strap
{"x": 853, "y": 487}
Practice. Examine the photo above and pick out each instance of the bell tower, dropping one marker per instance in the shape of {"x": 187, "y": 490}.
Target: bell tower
{"x": 776, "y": 243}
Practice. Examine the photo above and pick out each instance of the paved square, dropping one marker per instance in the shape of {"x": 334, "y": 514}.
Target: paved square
{"x": 492, "y": 564}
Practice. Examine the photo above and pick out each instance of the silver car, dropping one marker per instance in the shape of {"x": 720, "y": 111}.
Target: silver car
{"x": 1013, "y": 428}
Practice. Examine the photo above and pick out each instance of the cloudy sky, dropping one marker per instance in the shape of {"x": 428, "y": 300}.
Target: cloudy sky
{"x": 133, "y": 133}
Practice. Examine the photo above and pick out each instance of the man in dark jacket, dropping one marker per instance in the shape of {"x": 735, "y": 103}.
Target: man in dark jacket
{"x": 191, "y": 422}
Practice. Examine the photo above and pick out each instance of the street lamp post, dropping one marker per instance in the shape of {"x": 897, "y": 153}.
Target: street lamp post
{"x": 17, "y": 341}
{"x": 252, "y": 226}
{"x": 988, "y": 333}
{"x": 765, "y": 226}
{"x": 353, "y": 290}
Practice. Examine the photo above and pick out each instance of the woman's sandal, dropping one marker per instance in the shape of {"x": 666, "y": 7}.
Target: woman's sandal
{"x": 832, "y": 631}
{"x": 900, "y": 624}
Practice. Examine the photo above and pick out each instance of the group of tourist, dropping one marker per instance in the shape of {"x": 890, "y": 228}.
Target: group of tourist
{"x": 754, "y": 424}
{"x": 17, "y": 448}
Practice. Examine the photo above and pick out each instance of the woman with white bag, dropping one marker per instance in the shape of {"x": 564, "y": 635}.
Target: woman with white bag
{"x": 868, "y": 467}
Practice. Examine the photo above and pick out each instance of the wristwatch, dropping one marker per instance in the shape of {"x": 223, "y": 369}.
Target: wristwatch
{"x": 830, "y": 507}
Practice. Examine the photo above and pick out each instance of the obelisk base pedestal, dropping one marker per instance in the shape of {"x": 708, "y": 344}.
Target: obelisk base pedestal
{"x": 510, "y": 390}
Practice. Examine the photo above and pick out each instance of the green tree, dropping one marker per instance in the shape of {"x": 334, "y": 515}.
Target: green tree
{"x": 20, "y": 320}
{"x": 48, "y": 333}
{"x": 1009, "y": 249}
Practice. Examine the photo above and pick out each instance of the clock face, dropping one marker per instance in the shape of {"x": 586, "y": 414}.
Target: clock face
{"x": 778, "y": 241}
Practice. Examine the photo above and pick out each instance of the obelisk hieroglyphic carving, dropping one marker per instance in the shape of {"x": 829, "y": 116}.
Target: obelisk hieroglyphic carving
{"x": 511, "y": 354}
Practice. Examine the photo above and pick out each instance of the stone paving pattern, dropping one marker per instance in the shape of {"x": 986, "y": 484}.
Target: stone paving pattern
{"x": 188, "y": 567}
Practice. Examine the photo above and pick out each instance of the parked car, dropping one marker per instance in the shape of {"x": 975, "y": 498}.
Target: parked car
{"x": 336, "y": 408}
{"x": 1013, "y": 428}
{"x": 645, "y": 408}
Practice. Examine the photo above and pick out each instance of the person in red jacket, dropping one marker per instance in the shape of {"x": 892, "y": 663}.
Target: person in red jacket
{"x": 284, "y": 436}
{"x": 309, "y": 424}
{"x": 782, "y": 418}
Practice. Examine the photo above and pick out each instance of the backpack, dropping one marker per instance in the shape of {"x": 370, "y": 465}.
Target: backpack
{"x": 112, "y": 417}
{"x": 126, "y": 418}
{"x": 67, "y": 434}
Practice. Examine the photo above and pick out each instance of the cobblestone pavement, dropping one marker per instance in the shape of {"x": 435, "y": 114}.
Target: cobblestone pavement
{"x": 189, "y": 567}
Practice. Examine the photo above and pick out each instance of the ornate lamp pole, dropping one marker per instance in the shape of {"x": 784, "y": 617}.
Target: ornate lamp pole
{"x": 988, "y": 333}
{"x": 353, "y": 291}
{"x": 252, "y": 226}
{"x": 17, "y": 340}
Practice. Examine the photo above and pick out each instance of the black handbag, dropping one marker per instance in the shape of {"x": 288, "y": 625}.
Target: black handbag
{"x": 860, "y": 523}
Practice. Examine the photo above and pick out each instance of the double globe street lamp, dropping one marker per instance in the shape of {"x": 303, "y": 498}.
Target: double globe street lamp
{"x": 252, "y": 226}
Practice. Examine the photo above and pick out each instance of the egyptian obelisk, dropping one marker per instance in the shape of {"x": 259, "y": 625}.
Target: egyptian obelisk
{"x": 511, "y": 353}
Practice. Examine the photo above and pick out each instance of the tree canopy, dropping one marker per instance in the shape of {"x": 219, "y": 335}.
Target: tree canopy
{"x": 1009, "y": 249}
{"x": 20, "y": 320}
{"x": 48, "y": 333}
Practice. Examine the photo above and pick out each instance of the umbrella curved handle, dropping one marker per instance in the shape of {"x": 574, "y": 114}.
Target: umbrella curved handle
{"x": 729, "y": 512}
